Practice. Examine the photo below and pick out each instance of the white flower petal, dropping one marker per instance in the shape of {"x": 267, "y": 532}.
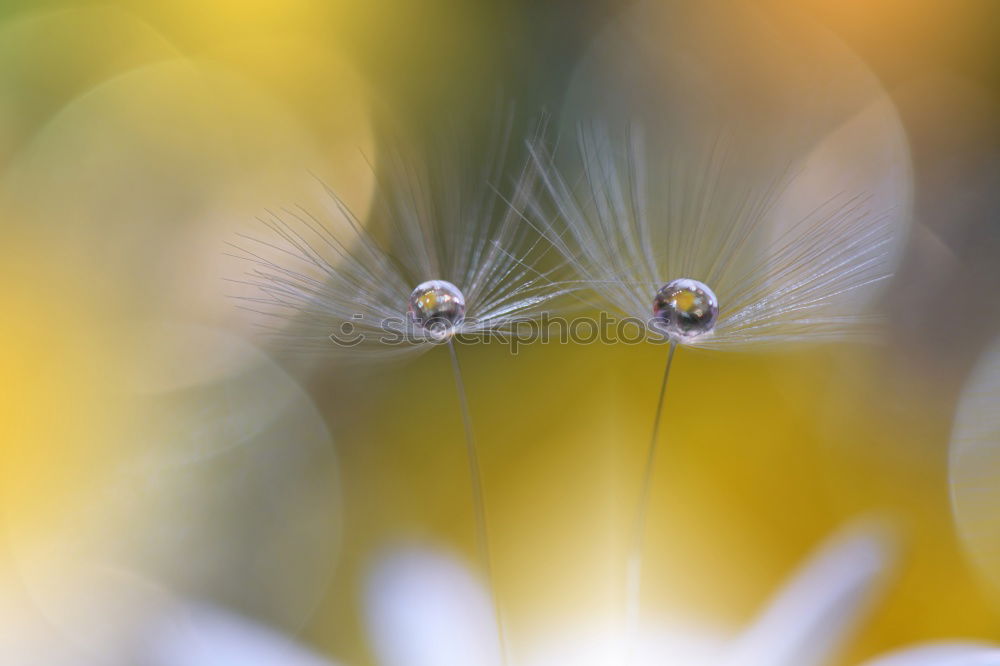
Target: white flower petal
{"x": 205, "y": 636}
{"x": 426, "y": 608}
{"x": 942, "y": 654}
{"x": 975, "y": 466}
{"x": 669, "y": 643}
{"x": 807, "y": 621}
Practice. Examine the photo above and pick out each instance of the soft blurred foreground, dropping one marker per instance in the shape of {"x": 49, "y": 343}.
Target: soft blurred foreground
{"x": 178, "y": 490}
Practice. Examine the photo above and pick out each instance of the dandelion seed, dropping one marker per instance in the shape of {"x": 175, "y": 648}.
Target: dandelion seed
{"x": 648, "y": 219}
{"x": 438, "y": 219}
{"x": 691, "y": 228}
{"x": 457, "y": 262}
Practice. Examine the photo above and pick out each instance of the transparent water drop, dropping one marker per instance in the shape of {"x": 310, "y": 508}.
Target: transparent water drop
{"x": 438, "y": 307}
{"x": 685, "y": 309}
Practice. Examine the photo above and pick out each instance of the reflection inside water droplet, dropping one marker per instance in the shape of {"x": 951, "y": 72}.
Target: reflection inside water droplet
{"x": 438, "y": 307}
{"x": 685, "y": 309}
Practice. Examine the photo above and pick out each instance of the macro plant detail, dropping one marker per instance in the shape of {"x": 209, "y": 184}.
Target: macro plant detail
{"x": 649, "y": 213}
{"x": 446, "y": 218}
{"x": 441, "y": 254}
{"x": 653, "y": 212}
{"x": 316, "y": 353}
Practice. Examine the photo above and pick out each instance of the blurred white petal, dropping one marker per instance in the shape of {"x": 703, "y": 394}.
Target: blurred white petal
{"x": 810, "y": 618}
{"x": 942, "y": 654}
{"x": 668, "y": 643}
{"x": 975, "y": 465}
{"x": 206, "y": 636}
{"x": 426, "y": 608}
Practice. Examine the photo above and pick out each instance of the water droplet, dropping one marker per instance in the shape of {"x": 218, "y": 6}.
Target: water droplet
{"x": 438, "y": 307}
{"x": 685, "y": 309}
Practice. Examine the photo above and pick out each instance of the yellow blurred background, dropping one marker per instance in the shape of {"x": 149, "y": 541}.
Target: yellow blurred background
{"x": 138, "y": 138}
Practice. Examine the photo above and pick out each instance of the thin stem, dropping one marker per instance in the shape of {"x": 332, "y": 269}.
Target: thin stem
{"x": 633, "y": 599}
{"x": 478, "y": 498}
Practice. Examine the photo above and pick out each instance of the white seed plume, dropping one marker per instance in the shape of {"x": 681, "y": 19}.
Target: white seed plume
{"x": 443, "y": 254}
{"x": 439, "y": 219}
{"x": 645, "y": 216}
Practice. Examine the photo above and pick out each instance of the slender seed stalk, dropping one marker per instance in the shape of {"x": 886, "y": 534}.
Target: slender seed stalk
{"x": 478, "y": 499}
{"x": 633, "y": 598}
